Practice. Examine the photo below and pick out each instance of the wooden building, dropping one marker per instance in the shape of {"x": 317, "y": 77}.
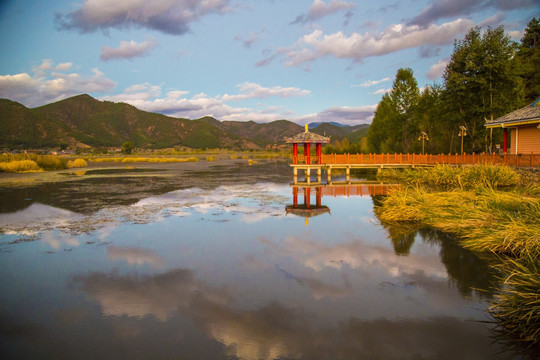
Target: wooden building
{"x": 521, "y": 129}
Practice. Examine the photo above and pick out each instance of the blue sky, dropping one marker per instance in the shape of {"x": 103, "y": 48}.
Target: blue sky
{"x": 264, "y": 60}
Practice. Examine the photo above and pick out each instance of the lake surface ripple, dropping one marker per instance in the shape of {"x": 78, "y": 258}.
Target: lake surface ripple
{"x": 209, "y": 264}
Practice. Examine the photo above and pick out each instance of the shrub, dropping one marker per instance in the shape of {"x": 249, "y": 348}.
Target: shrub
{"x": 77, "y": 163}
{"x": 17, "y": 166}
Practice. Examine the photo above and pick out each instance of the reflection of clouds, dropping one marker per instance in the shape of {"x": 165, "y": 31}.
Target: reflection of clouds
{"x": 355, "y": 254}
{"x": 273, "y": 330}
{"x": 253, "y": 202}
{"x": 56, "y": 239}
{"x": 159, "y": 295}
{"x": 135, "y": 256}
{"x": 24, "y": 221}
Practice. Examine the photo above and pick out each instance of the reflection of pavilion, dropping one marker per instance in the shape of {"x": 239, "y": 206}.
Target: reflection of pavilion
{"x": 308, "y": 209}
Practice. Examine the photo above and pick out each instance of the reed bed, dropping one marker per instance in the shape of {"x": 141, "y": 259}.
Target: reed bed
{"x": 461, "y": 177}
{"x": 517, "y": 308}
{"x": 19, "y": 166}
{"x": 77, "y": 163}
{"x": 19, "y": 162}
{"x": 485, "y": 219}
{"x": 144, "y": 159}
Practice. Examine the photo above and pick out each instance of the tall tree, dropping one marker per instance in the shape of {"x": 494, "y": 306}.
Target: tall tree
{"x": 382, "y": 128}
{"x": 405, "y": 96}
{"x": 392, "y": 130}
{"x": 528, "y": 60}
{"x": 480, "y": 82}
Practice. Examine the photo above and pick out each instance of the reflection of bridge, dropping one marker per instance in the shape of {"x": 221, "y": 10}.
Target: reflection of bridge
{"x": 374, "y": 161}
{"x": 307, "y": 209}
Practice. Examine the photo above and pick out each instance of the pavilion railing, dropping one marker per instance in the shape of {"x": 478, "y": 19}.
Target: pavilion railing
{"x": 518, "y": 160}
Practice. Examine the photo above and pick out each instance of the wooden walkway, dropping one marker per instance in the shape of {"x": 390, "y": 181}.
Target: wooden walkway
{"x": 376, "y": 161}
{"x": 411, "y": 160}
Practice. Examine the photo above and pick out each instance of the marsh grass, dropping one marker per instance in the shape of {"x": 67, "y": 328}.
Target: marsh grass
{"x": 517, "y": 308}
{"x": 19, "y": 166}
{"x": 19, "y": 162}
{"x": 210, "y": 158}
{"x": 144, "y": 159}
{"x": 465, "y": 177}
{"x": 77, "y": 163}
{"x": 485, "y": 219}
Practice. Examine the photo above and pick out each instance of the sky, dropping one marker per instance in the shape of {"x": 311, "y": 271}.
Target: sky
{"x": 264, "y": 60}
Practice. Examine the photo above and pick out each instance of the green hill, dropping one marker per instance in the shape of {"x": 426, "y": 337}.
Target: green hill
{"x": 82, "y": 121}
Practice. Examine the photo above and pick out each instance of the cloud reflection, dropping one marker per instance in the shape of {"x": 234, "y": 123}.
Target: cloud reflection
{"x": 135, "y": 256}
{"x": 273, "y": 330}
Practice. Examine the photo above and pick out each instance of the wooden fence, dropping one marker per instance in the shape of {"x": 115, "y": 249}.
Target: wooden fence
{"x": 518, "y": 160}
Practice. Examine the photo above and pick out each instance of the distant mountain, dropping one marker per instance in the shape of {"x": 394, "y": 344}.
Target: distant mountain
{"x": 313, "y": 125}
{"x": 83, "y": 121}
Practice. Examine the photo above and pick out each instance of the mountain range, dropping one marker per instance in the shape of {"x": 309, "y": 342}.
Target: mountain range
{"x": 82, "y": 121}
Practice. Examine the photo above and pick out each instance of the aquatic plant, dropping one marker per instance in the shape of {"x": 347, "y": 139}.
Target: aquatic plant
{"x": 18, "y": 166}
{"x": 517, "y": 308}
{"x": 144, "y": 159}
{"x": 455, "y": 176}
{"x": 484, "y": 219}
{"x": 77, "y": 163}
{"x": 45, "y": 162}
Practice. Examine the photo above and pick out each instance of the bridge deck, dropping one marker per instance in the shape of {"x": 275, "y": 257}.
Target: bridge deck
{"x": 345, "y": 161}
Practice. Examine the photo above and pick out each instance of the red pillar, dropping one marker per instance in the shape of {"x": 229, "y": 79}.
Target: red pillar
{"x": 319, "y": 196}
{"x": 319, "y": 157}
{"x": 505, "y": 140}
{"x": 307, "y": 195}
{"x": 295, "y": 153}
{"x": 308, "y": 154}
{"x": 295, "y": 197}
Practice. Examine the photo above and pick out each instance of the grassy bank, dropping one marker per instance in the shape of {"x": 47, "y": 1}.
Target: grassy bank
{"x": 489, "y": 209}
{"x": 21, "y": 163}
{"x": 126, "y": 159}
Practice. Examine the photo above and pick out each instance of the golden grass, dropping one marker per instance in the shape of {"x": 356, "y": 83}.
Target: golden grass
{"x": 455, "y": 176}
{"x": 144, "y": 159}
{"x": 77, "y": 163}
{"x": 19, "y": 166}
{"x": 485, "y": 219}
{"x": 210, "y": 158}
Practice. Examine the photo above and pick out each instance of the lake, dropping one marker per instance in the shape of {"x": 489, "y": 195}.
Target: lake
{"x": 226, "y": 261}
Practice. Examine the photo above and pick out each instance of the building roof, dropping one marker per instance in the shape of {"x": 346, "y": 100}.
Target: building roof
{"x": 307, "y": 137}
{"x": 529, "y": 114}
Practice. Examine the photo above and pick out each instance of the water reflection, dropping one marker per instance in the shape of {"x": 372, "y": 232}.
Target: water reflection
{"x": 222, "y": 273}
{"x": 309, "y": 209}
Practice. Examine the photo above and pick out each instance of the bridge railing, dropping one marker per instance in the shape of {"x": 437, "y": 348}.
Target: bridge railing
{"x": 518, "y": 160}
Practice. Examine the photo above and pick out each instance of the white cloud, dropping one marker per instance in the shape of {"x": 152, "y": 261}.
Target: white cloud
{"x": 128, "y": 50}
{"x": 348, "y": 115}
{"x": 357, "y": 47}
{"x": 48, "y": 84}
{"x": 176, "y": 103}
{"x": 168, "y": 16}
{"x": 370, "y": 83}
{"x": 381, "y": 91}
{"x": 252, "y": 90}
{"x": 436, "y": 70}
{"x": 319, "y": 9}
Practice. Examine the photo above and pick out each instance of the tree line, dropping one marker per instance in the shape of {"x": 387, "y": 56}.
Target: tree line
{"x": 488, "y": 76}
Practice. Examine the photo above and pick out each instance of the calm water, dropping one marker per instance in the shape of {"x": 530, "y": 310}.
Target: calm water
{"x": 209, "y": 264}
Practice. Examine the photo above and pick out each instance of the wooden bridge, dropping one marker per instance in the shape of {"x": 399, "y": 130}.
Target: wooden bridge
{"x": 376, "y": 161}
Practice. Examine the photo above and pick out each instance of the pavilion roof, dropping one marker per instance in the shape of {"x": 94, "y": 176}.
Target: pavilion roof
{"x": 529, "y": 114}
{"x": 307, "y": 137}
{"x": 303, "y": 211}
